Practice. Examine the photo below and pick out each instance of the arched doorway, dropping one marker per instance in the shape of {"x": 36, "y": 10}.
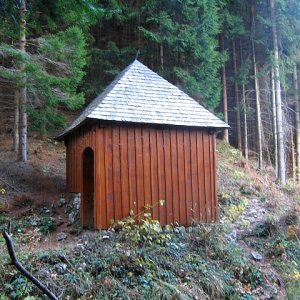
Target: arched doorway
{"x": 88, "y": 188}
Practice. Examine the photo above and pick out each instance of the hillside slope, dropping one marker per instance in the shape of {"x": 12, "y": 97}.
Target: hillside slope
{"x": 253, "y": 252}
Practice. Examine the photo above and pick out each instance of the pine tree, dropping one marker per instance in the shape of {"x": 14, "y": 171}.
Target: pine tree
{"x": 45, "y": 81}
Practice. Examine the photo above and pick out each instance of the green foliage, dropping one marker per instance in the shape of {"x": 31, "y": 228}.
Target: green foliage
{"x": 46, "y": 224}
{"x": 233, "y": 211}
{"x": 43, "y": 15}
{"x": 185, "y": 31}
{"x": 201, "y": 263}
{"x": 52, "y": 75}
{"x": 146, "y": 231}
{"x": 18, "y": 287}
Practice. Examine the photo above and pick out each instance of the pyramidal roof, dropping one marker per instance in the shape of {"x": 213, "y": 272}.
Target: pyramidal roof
{"x": 139, "y": 95}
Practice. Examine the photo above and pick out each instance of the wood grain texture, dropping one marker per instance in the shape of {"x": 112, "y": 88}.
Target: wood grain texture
{"x": 138, "y": 165}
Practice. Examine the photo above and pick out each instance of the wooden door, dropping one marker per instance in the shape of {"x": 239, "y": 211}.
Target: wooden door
{"x": 88, "y": 188}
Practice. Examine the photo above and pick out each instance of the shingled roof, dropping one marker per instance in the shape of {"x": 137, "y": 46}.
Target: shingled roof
{"x": 139, "y": 95}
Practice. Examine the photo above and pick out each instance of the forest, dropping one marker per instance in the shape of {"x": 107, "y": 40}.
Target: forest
{"x": 237, "y": 58}
{"x": 240, "y": 59}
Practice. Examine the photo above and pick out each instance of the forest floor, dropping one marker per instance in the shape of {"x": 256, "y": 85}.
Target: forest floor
{"x": 252, "y": 252}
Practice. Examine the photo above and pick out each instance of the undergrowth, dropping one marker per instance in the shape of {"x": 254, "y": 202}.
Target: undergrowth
{"x": 200, "y": 264}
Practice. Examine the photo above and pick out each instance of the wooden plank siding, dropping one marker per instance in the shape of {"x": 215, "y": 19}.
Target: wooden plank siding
{"x": 137, "y": 166}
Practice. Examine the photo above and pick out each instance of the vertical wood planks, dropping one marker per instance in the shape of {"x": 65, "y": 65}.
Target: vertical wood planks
{"x": 139, "y": 170}
{"x": 161, "y": 175}
{"x": 109, "y": 175}
{"x": 212, "y": 156}
{"x": 132, "y": 170}
{"x": 207, "y": 179}
{"x": 100, "y": 185}
{"x": 125, "y": 199}
{"x": 175, "y": 176}
{"x": 135, "y": 166}
{"x": 201, "y": 180}
{"x": 181, "y": 178}
{"x": 168, "y": 177}
{"x": 194, "y": 175}
{"x": 116, "y": 173}
{"x": 154, "y": 174}
{"x": 188, "y": 179}
{"x": 146, "y": 167}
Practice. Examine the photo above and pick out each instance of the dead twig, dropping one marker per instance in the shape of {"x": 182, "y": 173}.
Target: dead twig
{"x": 11, "y": 186}
{"x": 24, "y": 272}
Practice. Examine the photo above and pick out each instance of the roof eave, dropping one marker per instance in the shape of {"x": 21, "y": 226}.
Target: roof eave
{"x": 66, "y": 132}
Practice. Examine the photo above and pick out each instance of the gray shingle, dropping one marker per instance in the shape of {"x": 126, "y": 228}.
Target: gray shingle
{"x": 139, "y": 95}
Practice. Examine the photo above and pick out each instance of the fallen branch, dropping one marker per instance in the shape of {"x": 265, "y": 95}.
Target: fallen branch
{"x": 11, "y": 186}
{"x": 24, "y": 272}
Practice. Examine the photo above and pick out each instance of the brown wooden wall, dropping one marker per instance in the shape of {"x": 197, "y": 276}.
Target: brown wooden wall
{"x": 137, "y": 166}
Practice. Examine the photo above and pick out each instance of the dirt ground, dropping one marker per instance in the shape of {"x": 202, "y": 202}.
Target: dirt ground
{"x": 35, "y": 186}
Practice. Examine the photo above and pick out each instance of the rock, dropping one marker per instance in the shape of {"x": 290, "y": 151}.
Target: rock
{"x": 79, "y": 247}
{"x": 168, "y": 229}
{"x": 33, "y": 222}
{"x": 76, "y": 201}
{"x": 256, "y": 256}
{"x": 252, "y": 220}
{"x": 173, "y": 245}
{"x": 61, "y": 236}
{"x": 82, "y": 267}
{"x": 270, "y": 292}
{"x": 232, "y": 237}
{"x": 60, "y": 268}
{"x": 189, "y": 229}
{"x": 71, "y": 218}
{"x": 45, "y": 210}
{"x": 180, "y": 229}
{"x": 61, "y": 201}
{"x": 105, "y": 237}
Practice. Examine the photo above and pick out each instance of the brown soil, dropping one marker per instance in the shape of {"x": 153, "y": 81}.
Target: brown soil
{"x": 33, "y": 186}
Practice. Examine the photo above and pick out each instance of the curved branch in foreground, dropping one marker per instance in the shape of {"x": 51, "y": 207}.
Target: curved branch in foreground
{"x": 24, "y": 272}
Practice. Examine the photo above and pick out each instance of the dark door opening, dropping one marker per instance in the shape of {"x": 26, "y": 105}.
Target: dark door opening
{"x": 88, "y": 188}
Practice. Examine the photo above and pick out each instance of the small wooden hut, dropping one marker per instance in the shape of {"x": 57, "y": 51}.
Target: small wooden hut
{"x": 140, "y": 141}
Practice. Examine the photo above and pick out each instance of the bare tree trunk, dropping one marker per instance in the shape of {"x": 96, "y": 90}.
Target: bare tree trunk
{"x": 293, "y": 155}
{"x": 246, "y": 150}
{"x": 236, "y": 95}
{"x": 23, "y": 97}
{"x": 257, "y": 94}
{"x": 161, "y": 56}
{"x": 297, "y": 112}
{"x": 224, "y": 94}
{"x": 16, "y": 121}
{"x": 258, "y": 111}
{"x": 274, "y": 122}
{"x": 280, "y": 139}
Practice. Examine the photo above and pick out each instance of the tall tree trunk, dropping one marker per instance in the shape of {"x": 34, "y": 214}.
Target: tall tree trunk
{"x": 161, "y": 56}
{"x": 257, "y": 95}
{"x": 236, "y": 95}
{"x": 22, "y": 92}
{"x": 224, "y": 93}
{"x": 279, "y": 119}
{"x": 293, "y": 155}
{"x": 246, "y": 150}
{"x": 297, "y": 112}
{"x": 274, "y": 122}
{"x": 16, "y": 121}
